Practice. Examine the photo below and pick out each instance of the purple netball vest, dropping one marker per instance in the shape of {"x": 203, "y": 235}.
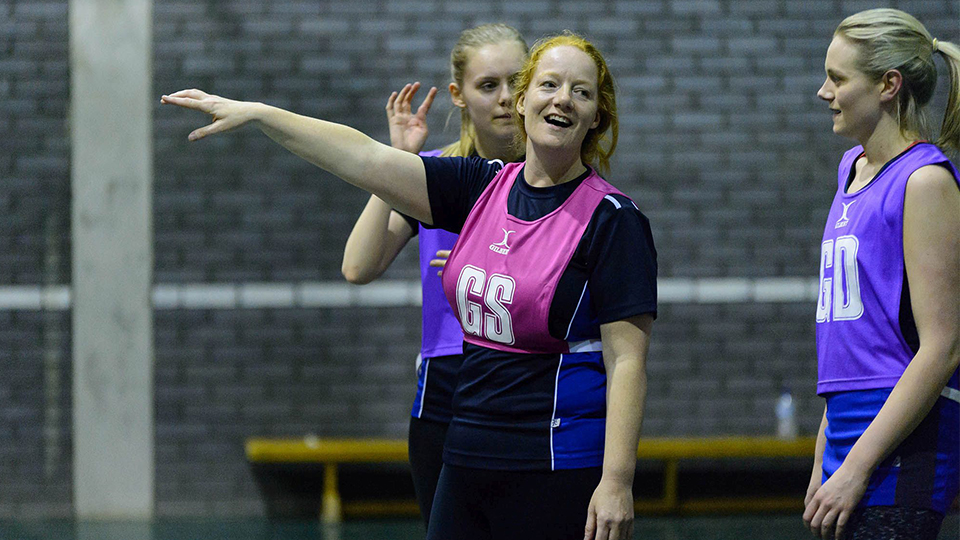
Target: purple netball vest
{"x": 860, "y": 344}
{"x": 503, "y": 272}
{"x": 441, "y": 334}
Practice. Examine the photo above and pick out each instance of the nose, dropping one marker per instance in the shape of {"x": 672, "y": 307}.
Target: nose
{"x": 562, "y": 96}
{"x": 506, "y": 95}
{"x": 825, "y": 93}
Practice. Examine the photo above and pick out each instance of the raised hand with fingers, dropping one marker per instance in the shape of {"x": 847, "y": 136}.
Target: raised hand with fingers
{"x": 227, "y": 113}
{"x": 408, "y": 130}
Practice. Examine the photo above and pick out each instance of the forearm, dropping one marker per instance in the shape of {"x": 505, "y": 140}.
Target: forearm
{"x": 364, "y": 252}
{"x": 626, "y": 394}
{"x": 908, "y": 404}
{"x": 395, "y": 176}
{"x": 821, "y": 443}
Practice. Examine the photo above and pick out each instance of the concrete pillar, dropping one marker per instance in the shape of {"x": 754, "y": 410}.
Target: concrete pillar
{"x": 111, "y": 174}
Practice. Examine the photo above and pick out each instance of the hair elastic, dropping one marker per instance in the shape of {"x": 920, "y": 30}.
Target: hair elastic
{"x": 936, "y": 45}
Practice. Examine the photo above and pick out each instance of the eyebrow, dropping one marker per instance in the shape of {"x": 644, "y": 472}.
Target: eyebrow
{"x": 575, "y": 82}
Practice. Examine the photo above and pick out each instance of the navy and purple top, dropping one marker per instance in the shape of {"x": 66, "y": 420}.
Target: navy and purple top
{"x": 441, "y": 344}
{"x": 531, "y": 392}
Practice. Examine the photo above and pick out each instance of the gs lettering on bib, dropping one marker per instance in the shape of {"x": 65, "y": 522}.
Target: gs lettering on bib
{"x": 502, "y": 274}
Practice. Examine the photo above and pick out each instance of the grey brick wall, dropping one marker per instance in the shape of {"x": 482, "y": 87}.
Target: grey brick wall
{"x": 723, "y": 144}
{"x": 35, "y": 381}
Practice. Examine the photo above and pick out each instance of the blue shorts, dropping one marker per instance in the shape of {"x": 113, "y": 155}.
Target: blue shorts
{"x": 923, "y": 472}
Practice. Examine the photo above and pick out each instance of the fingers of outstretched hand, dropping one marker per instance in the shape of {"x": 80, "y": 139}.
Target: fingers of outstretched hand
{"x": 438, "y": 262}
{"x": 216, "y": 127}
{"x": 191, "y": 93}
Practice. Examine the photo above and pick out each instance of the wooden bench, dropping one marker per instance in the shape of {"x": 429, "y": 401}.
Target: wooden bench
{"x": 670, "y": 451}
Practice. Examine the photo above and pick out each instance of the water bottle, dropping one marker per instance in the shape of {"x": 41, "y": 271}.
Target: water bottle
{"x": 786, "y": 416}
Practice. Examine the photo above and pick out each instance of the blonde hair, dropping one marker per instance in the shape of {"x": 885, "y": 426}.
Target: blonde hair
{"x": 597, "y": 146}
{"x": 470, "y": 40}
{"x": 889, "y": 39}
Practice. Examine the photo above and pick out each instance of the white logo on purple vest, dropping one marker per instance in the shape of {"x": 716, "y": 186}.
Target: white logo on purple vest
{"x": 842, "y": 222}
{"x": 502, "y": 247}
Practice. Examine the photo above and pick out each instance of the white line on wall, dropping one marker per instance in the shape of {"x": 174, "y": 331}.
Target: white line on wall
{"x": 395, "y": 293}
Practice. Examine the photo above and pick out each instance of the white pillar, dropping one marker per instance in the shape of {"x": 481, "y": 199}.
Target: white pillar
{"x": 111, "y": 177}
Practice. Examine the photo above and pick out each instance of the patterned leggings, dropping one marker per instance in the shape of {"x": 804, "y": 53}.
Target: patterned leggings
{"x": 894, "y": 523}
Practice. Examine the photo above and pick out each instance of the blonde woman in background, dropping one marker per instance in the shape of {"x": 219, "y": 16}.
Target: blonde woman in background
{"x": 482, "y": 65}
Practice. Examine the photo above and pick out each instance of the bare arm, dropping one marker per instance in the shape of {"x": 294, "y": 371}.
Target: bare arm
{"x": 395, "y": 176}
{"x": 380, "y": 233}
{"x": 625, "y": 345}
{"x": 816, "y": 475}
{"x": 931, "y": 240}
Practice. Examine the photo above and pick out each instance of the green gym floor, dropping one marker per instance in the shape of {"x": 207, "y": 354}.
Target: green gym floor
{"x": 736, "y": 527}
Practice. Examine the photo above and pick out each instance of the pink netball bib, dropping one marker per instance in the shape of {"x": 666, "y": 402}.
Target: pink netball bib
{"x": 503, "y": 272}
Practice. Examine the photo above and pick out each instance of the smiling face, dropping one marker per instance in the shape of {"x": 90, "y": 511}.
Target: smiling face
{"x": 560, "y": 104}
{"x": 854, "y": 97}
{"x": 486, "y": 93}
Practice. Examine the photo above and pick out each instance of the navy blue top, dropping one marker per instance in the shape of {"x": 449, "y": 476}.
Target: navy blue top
{"x": 545, "y": 411}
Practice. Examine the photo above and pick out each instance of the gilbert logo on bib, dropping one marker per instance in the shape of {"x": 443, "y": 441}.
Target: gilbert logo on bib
{"x": 502, "y": 248}
{"x": 844, "y": 220}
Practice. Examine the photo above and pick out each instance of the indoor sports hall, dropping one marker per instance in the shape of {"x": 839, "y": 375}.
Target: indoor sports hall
{"x": 181, "y": 356}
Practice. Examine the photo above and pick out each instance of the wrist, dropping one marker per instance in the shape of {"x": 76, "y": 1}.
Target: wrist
{"x": 621, "y": 478}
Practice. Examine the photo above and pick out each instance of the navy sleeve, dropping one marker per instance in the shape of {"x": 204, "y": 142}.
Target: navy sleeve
{"x": 622, "y": 261}
{"x": 454, "y": 184}
{"x": 414, "y": 224}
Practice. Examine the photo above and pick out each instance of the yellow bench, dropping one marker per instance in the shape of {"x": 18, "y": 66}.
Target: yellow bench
{"x": 332, "y": 452}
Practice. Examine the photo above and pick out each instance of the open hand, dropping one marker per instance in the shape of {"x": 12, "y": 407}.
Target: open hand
{"x": 227, "y": 113}
{"x": 408, "y": 130}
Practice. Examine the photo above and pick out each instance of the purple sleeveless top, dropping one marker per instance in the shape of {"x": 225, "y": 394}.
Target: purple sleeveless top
{"x": 860, "y": 340}
{"x": 504, "y": 271}
{"x": 441, "y": 334}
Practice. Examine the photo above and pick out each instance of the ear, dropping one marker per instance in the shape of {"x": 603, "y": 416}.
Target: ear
{"x": 456, "y": 97}
{"x": 520, "y": 104}
{"x": 890, "y": 85}
{"x": 596, "y": 121}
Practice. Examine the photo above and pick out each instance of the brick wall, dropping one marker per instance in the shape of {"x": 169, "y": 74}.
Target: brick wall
{"x": 723, "y": 144}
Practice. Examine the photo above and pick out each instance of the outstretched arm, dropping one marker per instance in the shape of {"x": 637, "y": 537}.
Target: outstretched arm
{"x": 931, "y": 254}
{"x": 380, "y": 233}
{"x": 395, "y": 176}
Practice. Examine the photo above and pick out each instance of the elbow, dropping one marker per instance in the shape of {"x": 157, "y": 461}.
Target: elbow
{"x": 353, "y": 275}
{"x": 357, "y": 274}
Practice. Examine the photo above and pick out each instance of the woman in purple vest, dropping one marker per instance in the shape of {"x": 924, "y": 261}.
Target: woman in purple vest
{"x": 888, "y": 319}
{"x": 482, "y": 63}
{"x": 553, "y": 279}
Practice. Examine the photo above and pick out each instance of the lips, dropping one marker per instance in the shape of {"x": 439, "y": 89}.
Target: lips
{"x": 558, "y": 120}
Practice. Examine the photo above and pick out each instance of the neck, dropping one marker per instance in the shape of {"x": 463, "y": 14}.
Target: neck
{"x": 544, "y": 168}
{"x": 885, "y": 142}
{"x": 502, "y": 149}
